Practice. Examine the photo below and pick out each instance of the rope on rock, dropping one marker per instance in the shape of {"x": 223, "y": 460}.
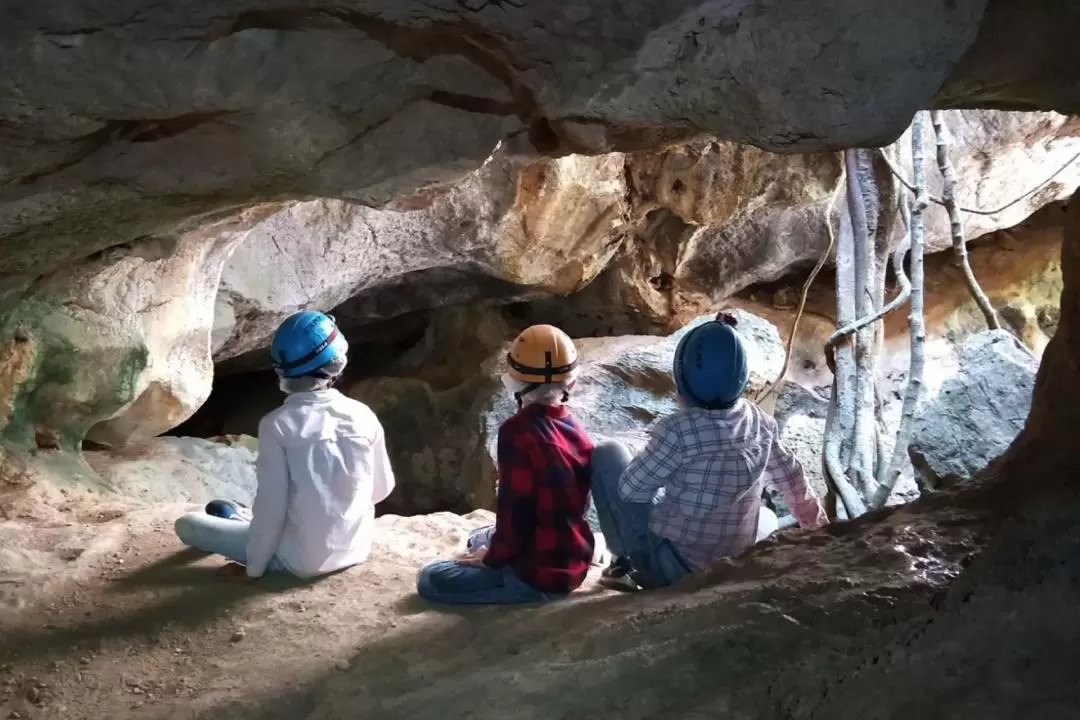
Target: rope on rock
{"x": 775, "y": 386}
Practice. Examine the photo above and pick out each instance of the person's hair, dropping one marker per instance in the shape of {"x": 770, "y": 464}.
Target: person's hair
{"x": 323, "y": 378}
{"x": 546, "y": 394}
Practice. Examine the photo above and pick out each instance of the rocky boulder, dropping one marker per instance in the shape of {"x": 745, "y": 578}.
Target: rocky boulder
{"x": 443, "y": 442}
{"x": 436, "y": 440}
{"x": 977, "y": 414}
{"x": 116, "y": 349}
{"x": 181, "y": 470}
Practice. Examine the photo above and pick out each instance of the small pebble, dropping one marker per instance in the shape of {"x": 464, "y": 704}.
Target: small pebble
{"x": 84, "y": 661}
{"x": 343, "y": 665}
{"x": 14, "y": 715}
{"x": 237, "y": 636}
{"x": 33, "y": 695}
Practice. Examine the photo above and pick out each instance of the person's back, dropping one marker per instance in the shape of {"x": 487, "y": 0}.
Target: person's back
{"x": 541, "y": 546}
{"x": 322, "y": 466}
{"x": 693, "y": 495}
{"x": 333, "y": 451}
{"x": 721, "y": 459}
{"x": 544, "y": 471}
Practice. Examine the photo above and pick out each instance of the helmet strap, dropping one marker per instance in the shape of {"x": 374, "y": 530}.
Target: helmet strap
{"x": 548, "y": 372}
{"x": 520, "y": 395}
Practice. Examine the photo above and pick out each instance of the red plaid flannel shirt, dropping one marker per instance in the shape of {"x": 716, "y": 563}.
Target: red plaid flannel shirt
{"x": 545, "y": 471}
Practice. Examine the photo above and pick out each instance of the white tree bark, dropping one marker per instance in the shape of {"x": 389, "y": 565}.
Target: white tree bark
{"x": 916, "y": 319}
{"x": 862, "y": 463}
{"x": 839, "y": 423}
{"x": 956, "y": 221}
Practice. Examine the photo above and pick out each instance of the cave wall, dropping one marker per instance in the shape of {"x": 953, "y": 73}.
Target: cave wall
{"x": 123, "y": 120}
{"x": 653, "y": 237}
{"x": 115, "y": 349}
{"x": 617, "y": 243}
{"x": 1044, "y": 457}
{"x": 126, "y": 125}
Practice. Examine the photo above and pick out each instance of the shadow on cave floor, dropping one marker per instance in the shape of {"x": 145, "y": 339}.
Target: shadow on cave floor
{"x": 170, "y": 594}
{"x": 736, "y": 649}
{"x": 799, "y": 615}
{"x": 841, "y": 623}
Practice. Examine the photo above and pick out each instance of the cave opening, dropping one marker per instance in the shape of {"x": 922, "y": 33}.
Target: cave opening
{"x": 435, "y": 358}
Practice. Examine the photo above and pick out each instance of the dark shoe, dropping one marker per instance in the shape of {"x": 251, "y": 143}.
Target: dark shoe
{"x": 619, "y": 575}
{"x": 617, "y": 567}
{"x": 227, "y": 510}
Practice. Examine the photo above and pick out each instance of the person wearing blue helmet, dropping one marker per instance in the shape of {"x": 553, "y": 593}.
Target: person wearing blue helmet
{"x": 322, "y": 468}
{"x": 693, "y": 495}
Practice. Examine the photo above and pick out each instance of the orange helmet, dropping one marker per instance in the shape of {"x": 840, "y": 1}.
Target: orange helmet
{"x": 542, "y": 354}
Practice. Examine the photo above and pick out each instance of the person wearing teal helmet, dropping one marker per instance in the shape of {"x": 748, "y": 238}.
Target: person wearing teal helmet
{"x": 322, "y": 467}
{"x": 694, "y": 494}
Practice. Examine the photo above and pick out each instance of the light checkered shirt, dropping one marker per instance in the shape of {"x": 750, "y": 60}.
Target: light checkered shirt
{"x": 709, "y": 467}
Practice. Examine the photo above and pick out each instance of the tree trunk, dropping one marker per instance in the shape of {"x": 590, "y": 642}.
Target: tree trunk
{"x": 956, "y": 221}
{"x": 915, "y": 318}
{"x": 841, "y": 416}
{"x": 862, "y": 461}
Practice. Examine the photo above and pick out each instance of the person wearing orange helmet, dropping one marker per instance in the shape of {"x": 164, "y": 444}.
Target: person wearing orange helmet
{"x": 541, "y": 546}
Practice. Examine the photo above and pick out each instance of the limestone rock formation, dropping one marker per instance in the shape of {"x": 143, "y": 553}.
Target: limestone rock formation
{"x": 678, "y": 230}
{"x": 122, "y": 122}
{"x": 507, "y": 231}
{"x": 436, "y": 440}
{"x": 713, "y": 218}
{"x": 181, "y": 469}
{"x": 977, "y": 414}
{"x": 116, "y": 349}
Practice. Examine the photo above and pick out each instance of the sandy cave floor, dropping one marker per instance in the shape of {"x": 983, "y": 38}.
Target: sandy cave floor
{"x": 110, "y": 618}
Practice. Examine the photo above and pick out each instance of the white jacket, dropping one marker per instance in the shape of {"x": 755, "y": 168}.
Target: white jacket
{"x": 322, "y": 468}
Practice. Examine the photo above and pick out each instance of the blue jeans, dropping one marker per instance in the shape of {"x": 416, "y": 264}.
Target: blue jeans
{"x": 454, "y": 583}
{"x": 211, "y": 534}
{"x": 626, "y": 525}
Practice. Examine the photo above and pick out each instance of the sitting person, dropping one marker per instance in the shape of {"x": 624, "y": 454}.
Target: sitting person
{"x": 694, "y": 494}
{"x": 540, "y": 547}
{"x": 321, "y": 469}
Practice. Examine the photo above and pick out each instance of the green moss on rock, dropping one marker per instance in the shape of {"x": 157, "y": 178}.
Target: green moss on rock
{"x": 64, "y": 394}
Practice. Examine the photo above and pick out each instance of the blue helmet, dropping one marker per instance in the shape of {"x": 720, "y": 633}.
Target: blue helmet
{"x": 305, "y": 342}
{"x": 710, "y": 366}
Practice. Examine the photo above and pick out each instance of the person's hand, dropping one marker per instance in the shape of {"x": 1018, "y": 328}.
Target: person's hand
{"x": 232, "y": 571}
{"x": 473, "y": 558}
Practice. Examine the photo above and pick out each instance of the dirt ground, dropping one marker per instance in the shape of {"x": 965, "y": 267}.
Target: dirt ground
{"x": 127, "y": 623}
{"x": 111, "y": 618}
